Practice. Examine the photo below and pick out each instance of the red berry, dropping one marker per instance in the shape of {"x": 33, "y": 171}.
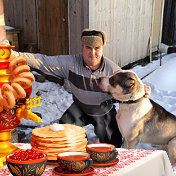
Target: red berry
{"x": 26, "y": 155}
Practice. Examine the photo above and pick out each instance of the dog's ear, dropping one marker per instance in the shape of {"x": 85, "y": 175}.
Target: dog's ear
{"x": 129, "y": 83}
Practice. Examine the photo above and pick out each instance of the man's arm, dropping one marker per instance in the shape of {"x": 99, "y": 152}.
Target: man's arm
{"x": 30, "y": 59}
{"x": 57, "y": 66}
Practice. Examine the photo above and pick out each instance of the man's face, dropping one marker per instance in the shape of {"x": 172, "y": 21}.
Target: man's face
{"x": 92, "y": 56}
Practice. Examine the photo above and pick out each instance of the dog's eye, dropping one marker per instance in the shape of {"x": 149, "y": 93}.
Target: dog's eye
{"x": 129, "y": 83}
{"x": 112, "y": 81}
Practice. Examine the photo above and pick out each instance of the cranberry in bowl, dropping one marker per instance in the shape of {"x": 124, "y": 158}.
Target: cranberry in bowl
{"x": 26, "y": 162}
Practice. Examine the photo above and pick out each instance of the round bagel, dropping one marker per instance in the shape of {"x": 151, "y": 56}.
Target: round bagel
{"x": 18, "y": 91}
{"x": 9, "y": 99}
{"x": 23, "y": 82}
{"x": 27, "y": 75}
{"x": 20, "y": 69}
{"x": 6, "y": 88}
{"x": 16, "y": 62}
{"x": 1, "y": 102}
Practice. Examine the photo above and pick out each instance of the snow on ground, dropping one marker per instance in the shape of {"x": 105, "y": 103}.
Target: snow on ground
{"x": 162, "y": 81}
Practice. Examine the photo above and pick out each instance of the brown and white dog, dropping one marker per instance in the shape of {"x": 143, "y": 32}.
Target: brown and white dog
{"x": 140, "y": 120}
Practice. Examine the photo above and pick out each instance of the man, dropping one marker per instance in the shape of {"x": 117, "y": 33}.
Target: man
{"x": 83, "y": 72}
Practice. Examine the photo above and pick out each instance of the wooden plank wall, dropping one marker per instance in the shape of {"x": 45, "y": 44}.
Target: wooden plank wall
{"x": 78, "y": 20}
{"x": 53, "y": 27}
{"x": 36, "y": 19}
{"x": 127, "y": 24}
{"x": 128, "y": 27}
{"x": 21, "y": 14}
{"x": 157, "y": 25}
{"x": 169, "y": 23}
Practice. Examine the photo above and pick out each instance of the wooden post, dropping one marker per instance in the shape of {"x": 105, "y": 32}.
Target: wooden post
{"x": 151, "y": 32}
{"x": 2, "y": 22}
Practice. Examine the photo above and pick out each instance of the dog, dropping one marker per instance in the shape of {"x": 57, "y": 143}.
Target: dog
{"x": 140, "y": 119}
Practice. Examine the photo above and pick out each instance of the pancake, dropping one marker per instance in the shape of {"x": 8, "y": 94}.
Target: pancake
{"x": 47, "y": 139}
{"x": 58, "y": 144}
{"x": 69, "y": 131}
{"x": 52, "y": 142}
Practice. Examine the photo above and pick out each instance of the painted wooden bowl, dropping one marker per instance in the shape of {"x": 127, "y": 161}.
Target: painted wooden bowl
{"x": 26, "y": 167}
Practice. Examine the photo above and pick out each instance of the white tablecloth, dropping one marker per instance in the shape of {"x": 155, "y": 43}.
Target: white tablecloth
{"x": 132, "y": 162}
{"x": 146, "y": 163}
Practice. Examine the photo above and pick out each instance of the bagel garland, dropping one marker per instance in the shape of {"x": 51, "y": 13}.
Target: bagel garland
{"x": 22, "y": 79}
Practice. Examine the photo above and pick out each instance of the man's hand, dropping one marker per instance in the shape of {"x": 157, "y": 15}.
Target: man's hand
{"x": 4, "y": 42}
{"x": 147, "y": 91}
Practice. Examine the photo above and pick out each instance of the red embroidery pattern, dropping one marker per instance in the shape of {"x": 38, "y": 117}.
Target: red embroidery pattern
{"x": 4, "y": 172}
{"x": 20, "y": 144}
{"x": 125, "y": 158}
{"x": 48, "y": 172}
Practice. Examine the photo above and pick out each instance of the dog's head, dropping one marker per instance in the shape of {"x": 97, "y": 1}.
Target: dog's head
{"x": 123, "y": 85}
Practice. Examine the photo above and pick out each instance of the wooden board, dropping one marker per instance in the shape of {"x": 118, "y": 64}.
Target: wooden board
{"x": 22, "y": 15}
{"x": 53, "y": 27}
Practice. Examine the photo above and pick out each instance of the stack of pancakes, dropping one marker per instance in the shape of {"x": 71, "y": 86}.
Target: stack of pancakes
{"x": 72, "y": 138}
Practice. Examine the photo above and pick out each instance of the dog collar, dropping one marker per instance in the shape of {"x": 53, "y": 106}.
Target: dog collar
{"x": 113, "y": 100}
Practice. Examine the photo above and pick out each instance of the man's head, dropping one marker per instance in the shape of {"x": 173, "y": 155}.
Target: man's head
{"x": 92, "y": 47}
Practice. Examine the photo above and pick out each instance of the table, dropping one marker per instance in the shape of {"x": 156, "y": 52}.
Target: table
{"x": 132, "y": 162}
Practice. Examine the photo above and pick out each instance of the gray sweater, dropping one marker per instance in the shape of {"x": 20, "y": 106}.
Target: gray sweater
{"x": 83, "y": 81}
